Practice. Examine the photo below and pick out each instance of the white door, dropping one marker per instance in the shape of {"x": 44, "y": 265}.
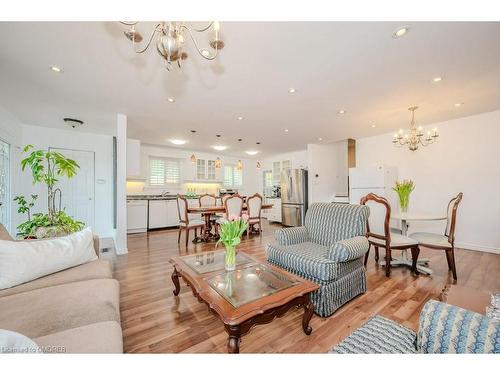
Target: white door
{"x": 77, "y": 197}
{"x": 5, "y": 200}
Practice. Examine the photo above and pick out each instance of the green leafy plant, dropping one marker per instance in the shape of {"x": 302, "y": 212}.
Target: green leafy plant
{"x": 231, "y": 231}
{"x": 46, "y": 167}
{"x": 404, "y": 189}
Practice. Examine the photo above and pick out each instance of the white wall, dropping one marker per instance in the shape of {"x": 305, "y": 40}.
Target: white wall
{"x": 251, "y": 182}
{"x": 466, "y": 158}
{"x": 101, "y": 145}
{"x": 322, "y": 172}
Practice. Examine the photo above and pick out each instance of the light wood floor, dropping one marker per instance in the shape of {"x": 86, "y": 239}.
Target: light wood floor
{"x": 153, "y": 320}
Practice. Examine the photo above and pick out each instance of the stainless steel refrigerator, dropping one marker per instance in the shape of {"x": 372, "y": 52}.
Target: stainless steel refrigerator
{"x": 293, "y": 197}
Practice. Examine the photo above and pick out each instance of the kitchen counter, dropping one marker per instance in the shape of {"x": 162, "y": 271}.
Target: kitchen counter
{"x": 151, "y": 197}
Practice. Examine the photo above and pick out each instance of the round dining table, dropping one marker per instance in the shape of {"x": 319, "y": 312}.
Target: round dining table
{"x": 404, "y": 218}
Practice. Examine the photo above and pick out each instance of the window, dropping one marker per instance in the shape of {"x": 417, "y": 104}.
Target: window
{"x": 163, "y": 171}
{"x": 233, "y": 177}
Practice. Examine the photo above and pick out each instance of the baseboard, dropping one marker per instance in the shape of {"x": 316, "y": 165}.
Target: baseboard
{"x": 469, "y": 246}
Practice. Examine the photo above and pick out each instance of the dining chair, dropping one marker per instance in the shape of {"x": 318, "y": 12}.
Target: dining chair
{"x": 233, "y": 207}
{"x": 379, "y": 233}
{"x": 444, "y": 242}
{"x": 207, "y": 200}
{"x": 254, "y": 208}
{"x": 185, "y": 223}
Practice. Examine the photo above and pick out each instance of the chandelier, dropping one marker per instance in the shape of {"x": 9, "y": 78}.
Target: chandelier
{"x": 415, "y": 137}
{"x": 170, "y": 38}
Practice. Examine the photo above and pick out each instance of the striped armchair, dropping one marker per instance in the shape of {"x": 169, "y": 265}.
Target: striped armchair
{"x": 328, "y": 250}
{"x": 442, "y": 328}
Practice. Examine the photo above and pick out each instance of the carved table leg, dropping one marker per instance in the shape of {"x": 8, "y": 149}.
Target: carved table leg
{"x": 308, "y": 313}
{"x": 233, "y": 342}
{"x": 175, "y": 280}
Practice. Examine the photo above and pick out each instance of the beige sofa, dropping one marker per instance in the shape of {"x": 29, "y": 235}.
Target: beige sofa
{"x": 75, "y": 311}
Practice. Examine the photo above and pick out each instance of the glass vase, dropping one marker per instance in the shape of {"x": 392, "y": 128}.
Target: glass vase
{"x": 230, "y": 258}
{"x": 404, "y": 202}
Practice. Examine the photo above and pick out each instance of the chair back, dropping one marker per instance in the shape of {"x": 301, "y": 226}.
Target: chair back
{"x": 182, "y": 207}
{"x": 224, "y": 197}
{"x": 254, "y": 206}
{"x": 234, "y": 205}
{"x": 327, "y": 223}
{"x": 452, "y": 217}
{"x": 379, "y": 218}
{"x": 207, "y": 200}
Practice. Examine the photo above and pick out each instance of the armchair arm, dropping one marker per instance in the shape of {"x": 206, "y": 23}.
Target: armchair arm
{"x": 348, "y": 249}
{"x": 446, "y": 328}
{"x": 291, "y": 236}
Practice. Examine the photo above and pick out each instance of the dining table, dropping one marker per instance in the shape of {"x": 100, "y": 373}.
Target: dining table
{"x": 208, "y": 211}
{"x": 405, "y": 218}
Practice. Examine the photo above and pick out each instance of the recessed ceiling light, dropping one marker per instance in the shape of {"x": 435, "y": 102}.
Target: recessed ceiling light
{"x": 193, "y": 131}
{"x": 320, "y": 139}
{"x": 286, "y": 130}
{"x": 239, "y": 139}
{"x": 257, "y": 143}
{"x": 55, "y": 69}
{"x": 218, "y": 135}
{"x": 374, "y": 126}
{"x": 171, "y": 100}
{"x": 252, "y": 152}
{"x": 458, "y": 104}
{"x": 239, "y": 118}
{"x": 291, "y": 90}
{"x": 400, "y": 32}
{"x": 437, "y": 79}
{"x": 178, "y": 141}
{"x": 341, "y": 112}
{"x": 219, "y": 147}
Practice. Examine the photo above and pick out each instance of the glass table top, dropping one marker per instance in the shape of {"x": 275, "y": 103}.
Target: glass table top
{"x": 212, "y": 261}
{"x": 249, "y": 284}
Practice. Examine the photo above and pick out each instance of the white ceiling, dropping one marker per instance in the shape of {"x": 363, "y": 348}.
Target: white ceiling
{"x": 358, "y": 67}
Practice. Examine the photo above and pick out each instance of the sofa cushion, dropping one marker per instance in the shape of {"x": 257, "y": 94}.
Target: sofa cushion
{"x": 102, "y": 337}
{"x": 378, "y": 335}
{"x": 309, "y": 260}
{"x": 22, "y": 261}
{"x": 99, "y": 269}
{"x": 45, "y": 311}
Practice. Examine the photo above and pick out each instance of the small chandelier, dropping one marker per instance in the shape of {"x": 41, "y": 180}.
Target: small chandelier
{"x": 218, "y": 163}
{"x": 193, "y": 159}
{"x": 170, "y": 38}
{"x": 415, "y": 137}
{"x": 239, "y": 165}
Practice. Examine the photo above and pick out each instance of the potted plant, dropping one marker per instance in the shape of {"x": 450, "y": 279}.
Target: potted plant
{"x": 230, "y": 235}
{"x": 46, "y": 167}
{"x": 404, "y": 189}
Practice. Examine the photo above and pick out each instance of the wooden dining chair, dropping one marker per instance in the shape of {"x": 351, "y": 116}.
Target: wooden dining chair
{"x": 207, "y": 200}
{"x": 233, "y": 206}
{"x": 185, "y": 223}
{"x": 379, "y": 233}
{"x": 254, "y": 208}
{"x": 444, "y": 242}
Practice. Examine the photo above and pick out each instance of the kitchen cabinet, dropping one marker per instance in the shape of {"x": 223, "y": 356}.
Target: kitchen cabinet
{"x": 134, "y": 159}
{"x": 163, "y": 213}
{"x": 274, "y": 213}
{"x": 279, "y": 166}
{"x": 137, "y": 216}
{"x": 172, "y": 213}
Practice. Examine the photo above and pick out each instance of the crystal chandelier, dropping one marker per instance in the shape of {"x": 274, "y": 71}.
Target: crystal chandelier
{"x": 415, "y": 137}
{"x": 170, "y": 38}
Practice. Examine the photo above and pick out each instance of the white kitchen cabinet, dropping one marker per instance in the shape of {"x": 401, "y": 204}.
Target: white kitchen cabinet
{"x": 137, "y": 216}
{"x": 274, "y": 213}
{"x": 158, "y": 217}
{"x": 134, "y": 158}
{"x": 172, "y": 213}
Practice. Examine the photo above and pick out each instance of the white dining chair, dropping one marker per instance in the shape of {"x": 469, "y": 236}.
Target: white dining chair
{"x": 185, "y": 223}
{"x": 233, "y": 207}
{"x": 254, "y": 208}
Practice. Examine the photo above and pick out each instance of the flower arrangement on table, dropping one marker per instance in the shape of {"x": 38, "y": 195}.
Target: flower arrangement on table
{"x": 231, "y": 231}
{"x": 404, "y": 189}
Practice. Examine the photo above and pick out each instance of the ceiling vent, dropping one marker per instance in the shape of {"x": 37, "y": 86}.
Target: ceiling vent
{"x": 73, "y": 122}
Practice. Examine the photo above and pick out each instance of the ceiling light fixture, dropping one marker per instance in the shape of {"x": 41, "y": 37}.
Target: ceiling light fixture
{"x": 400, "y": 32}
{"x": 291, "y": 90}
{"x": 55, "y": 69}
{"x": 239, "y": 165}
{"x": 320, "y": 139}
{"x": 259, "y": 165}
{"x": 239, "y": 118}
{"x": 219, "y": 147}
{"x": 286, "y": 130}
{"x": 437, "y": 79}
{"x": 415, "y": 137}
{"x": 218, "y": 163}
{"x": 171, "y": 100}
{"x": 374, "y": 126}
{"x": 252, "y": 152}
{"x": 458, "y": 104}
{"x": 170, "y": 37}
{"x": 341, "y": 112}
{"x": 193, "y": 159}
{"x": 178, "y": 141}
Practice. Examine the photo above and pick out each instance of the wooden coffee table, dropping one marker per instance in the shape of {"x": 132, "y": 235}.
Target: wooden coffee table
{"x": 252, "y": 294}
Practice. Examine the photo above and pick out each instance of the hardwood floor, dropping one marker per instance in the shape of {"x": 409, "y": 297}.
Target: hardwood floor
{"x": 153, "y": 320}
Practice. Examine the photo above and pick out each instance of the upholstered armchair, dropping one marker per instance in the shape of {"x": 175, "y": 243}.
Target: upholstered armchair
{"x": 327, "y": 250}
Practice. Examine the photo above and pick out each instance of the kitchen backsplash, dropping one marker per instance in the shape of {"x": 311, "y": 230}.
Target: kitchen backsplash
{"x": 140, "y": 188}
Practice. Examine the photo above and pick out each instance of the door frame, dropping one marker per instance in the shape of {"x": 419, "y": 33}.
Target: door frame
{"x": 9, "y": 202}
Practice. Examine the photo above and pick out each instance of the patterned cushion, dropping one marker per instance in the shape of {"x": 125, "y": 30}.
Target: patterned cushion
{"x": 328, "y": 223}
{"x": 291, "y": 236}
{"x": 450, "y": 329}
{"x": 378, "y": 335}
{"x": 308, "y": 260}
{"x": 348, "y": 249}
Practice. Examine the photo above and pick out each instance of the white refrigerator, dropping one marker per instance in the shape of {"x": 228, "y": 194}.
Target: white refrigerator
{"x": 377, "y": 179}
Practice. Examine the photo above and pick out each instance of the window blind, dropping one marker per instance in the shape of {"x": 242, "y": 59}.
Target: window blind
{"x": 163, "y": 172}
